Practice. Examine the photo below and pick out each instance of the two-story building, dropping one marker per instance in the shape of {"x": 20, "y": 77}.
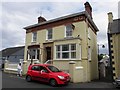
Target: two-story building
{"x": 64, "y": 39}
{"x": 114, "y": 45}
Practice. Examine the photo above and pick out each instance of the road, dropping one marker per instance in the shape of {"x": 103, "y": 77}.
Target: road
{"x": 13, "y": 81}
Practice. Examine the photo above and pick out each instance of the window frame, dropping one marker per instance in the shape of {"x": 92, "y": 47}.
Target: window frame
{"x": 68, "y": 30}
{"x": 69, "y": 52}
{"x": 37, "y": 54}
{"x": 47, "y": 34}
{"x": 34, "y": 36}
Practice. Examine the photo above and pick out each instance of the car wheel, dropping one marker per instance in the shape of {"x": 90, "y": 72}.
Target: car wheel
{"x": 28, "y": 78}
{"x": 53, "y": 82}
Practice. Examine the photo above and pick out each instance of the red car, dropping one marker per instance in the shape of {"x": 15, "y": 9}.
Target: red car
{"x": 47, "y": 73}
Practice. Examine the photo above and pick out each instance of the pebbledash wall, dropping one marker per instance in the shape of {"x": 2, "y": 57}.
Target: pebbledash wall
{"x": 82, "y": 44}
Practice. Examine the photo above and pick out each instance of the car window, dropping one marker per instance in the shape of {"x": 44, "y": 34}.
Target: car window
{"x": 36, "y": 68}
{"x": 53, "y": 69}
{"x": 44, "y": 69}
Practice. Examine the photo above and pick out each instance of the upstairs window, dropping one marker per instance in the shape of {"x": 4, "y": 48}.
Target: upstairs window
{"x": 69, "y": 29}
{"x": 49, "y": 34}
{"x": 34, "y": 36}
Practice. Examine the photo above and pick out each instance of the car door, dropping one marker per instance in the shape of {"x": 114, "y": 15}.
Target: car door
{"x": 35, "y": 72}
{"x": 44, "y": 75}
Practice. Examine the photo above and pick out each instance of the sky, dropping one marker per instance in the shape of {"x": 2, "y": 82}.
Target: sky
{"x": 17, "y": 14}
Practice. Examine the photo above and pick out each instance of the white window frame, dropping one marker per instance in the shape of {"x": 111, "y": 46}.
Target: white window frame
{"x": 66, "y": 30}
{"x": 47, "y": 34}
{"x": 33, "y": 37}
{"x": 36, "y": 53}
{"x": 65, "y": 51}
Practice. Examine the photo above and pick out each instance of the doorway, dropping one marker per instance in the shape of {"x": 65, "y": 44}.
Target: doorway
{"x": 48, "y": 53}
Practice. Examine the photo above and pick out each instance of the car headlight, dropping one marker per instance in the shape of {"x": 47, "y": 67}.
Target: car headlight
{"x": 61, "y": 77}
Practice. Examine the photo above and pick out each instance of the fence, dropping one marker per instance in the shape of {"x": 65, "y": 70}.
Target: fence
{"x": 10, "y": 67}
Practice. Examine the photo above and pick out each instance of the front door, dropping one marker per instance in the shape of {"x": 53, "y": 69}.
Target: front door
{"x": 48, "y": 53}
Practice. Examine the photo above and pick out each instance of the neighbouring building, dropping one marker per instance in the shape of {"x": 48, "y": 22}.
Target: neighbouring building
{"x": 114, "y": 45}
{"x": 13, "y": 54}
{"x": 64, "y": 39}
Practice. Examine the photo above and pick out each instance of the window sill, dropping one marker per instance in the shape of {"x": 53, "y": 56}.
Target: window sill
{"x": 67, "y": 59}
{"x": 32, "y": 59}
{"x": 49, "y": 40}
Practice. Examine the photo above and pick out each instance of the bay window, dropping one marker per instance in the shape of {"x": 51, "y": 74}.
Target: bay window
{"x": 66, "y": 51}
{"x": 33, "y": 54}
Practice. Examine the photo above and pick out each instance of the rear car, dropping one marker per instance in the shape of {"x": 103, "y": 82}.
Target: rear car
{"x": 47, "y": 73}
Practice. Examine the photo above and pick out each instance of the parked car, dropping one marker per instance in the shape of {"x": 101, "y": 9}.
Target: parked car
{"x": 47, "y": 73}
{"x": 116, "y": 83}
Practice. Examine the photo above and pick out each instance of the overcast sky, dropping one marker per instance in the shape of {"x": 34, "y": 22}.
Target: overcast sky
{"x": 15, "y": 15}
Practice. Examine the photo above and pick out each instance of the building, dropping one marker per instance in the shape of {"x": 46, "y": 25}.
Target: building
{"x": 61, "y": 40}
{"x": 12, "y": 54}
{"x": 114, "y": 43}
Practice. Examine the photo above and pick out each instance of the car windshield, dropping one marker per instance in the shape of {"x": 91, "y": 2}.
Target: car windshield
{"x": 53, "y": 69}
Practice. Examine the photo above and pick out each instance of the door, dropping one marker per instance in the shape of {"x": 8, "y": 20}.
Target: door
{"x": 44, "y": 75}
{"x": 48, "y": 52}
{"x": 35, "y": 72}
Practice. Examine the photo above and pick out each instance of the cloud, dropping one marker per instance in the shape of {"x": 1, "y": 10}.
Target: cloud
{"x": 16, "y": 15}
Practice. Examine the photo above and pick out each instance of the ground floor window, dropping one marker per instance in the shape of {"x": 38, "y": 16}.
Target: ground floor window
{"x": 66, "y": 51}
{"x": 33, "y": 54}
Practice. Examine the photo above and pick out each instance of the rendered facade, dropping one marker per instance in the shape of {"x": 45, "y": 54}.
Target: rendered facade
{"x": 114, "y": 44}
{"x": 64, "y": 39}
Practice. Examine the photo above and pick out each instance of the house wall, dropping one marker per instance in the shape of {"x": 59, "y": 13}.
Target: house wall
{"x": 81, "y": 30}
{"x": 115, "y": 54}
{"x": 93, "y": 63}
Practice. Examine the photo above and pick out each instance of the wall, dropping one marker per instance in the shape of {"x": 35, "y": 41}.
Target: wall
{"x": 81, "y": 29}
{"x": 116, "y": 53}
{"x": 93, "y": 63}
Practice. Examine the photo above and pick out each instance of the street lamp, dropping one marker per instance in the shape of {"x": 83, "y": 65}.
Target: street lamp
{"x": 103, "y": 46}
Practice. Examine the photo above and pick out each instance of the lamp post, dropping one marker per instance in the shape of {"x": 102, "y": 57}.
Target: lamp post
{"x": 103, "y": 46}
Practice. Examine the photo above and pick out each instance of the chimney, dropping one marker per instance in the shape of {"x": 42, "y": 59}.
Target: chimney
{"x": 41, "y": 19}
{"x": 110, "y": 17}
{"x": 88, "y": 8}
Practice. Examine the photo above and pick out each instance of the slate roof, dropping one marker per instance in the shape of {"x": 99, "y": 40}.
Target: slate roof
{"x": 10, "y": 51}
{"x": 65, "y": 17}
{"x": 114, "y": 27}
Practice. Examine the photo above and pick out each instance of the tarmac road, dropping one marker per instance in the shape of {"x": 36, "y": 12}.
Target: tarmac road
{"x": 13, "y": 81}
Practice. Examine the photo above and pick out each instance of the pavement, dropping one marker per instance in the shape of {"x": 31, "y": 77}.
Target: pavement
{"x": 13, "y": 81}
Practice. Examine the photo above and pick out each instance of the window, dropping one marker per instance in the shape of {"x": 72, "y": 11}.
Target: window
{"x": 89, "y": 33}
{"x": 69, "y": 29}
{"x": 53, "y": 69}
{"x": 89, "y": 53}
{"x": 36, "y": 68}
{"x": 67, "y": 51}
{"x": 34, "y": 36}
{"x": 49, "y": 34}
{"x": 44, "y": 69}
{"x": 33, "y": 54}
